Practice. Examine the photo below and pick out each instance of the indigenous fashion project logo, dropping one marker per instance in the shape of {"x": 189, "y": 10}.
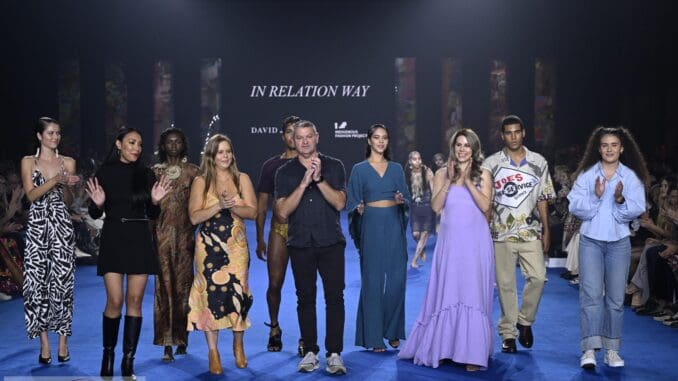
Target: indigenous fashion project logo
{"x": 341, "y": 132}
{"x": 512, "y": 186}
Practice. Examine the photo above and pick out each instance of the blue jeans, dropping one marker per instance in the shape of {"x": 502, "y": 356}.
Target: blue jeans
{"x": 603, "y": 269}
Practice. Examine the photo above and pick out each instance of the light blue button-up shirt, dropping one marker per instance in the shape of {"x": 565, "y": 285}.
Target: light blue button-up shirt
{"x": 602, "y": 218}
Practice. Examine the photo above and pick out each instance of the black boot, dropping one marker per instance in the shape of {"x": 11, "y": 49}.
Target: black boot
{"x": 110, "y": 328}
{"x": 130, "y": 339}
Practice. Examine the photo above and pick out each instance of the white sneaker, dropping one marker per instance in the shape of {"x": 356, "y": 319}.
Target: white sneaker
{"x": 309, "y": 363}
{"x": 588, "y": 359}
{"x": 612, "y": 359}
{"x": 335, "y": 365}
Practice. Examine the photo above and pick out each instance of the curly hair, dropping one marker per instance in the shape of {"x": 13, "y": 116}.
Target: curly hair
{"x": 632, "y": 157}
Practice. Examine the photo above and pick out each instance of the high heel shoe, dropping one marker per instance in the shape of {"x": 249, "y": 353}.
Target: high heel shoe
{"x": 44, "y": 361}
{"x": 215, "y": 362}
{"x": 65, "y": 358}
{"x": 167, "y": 355}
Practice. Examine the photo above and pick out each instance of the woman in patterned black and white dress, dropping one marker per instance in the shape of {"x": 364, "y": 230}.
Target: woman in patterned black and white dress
{"x": 49, "y": 258}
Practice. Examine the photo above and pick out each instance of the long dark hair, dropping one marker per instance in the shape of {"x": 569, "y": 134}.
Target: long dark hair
{"x": 140, "y": 181}
{"x": 162, "y": 154}
{"x": 632, "y": 157}
{"x": 476, "y": 158}
{"x": 368, "y": 149}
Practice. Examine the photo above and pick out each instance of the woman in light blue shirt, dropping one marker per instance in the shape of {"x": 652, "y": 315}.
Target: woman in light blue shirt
{"x": 606, "y": 196}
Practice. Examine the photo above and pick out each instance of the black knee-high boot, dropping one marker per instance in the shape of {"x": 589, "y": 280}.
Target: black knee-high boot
{"x": 130, "y": 339}
{"x": 110, "y": 328}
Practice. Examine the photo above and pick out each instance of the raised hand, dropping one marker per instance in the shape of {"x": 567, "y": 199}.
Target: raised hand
{"x": 618, "y": 197}
{"x": 95, "y": 191}
{"x": 450, "y": 169}
{"x": 317, "y": 170}
{"x": 160, "y": 189}
{"x": 600, "y": 187}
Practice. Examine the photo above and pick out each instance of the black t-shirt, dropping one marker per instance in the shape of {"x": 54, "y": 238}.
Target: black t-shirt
{"x": 315, "y": 222}
{"x": 267, "y": 175}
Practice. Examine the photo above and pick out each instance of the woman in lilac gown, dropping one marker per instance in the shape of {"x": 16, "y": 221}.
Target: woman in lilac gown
{"x": 455, "y": 319}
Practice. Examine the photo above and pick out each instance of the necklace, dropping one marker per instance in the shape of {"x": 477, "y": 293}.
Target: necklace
{"x": 172, "y": 172}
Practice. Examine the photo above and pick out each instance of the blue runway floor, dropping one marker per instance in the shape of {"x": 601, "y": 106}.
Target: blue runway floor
{"x": 649, "y": 348}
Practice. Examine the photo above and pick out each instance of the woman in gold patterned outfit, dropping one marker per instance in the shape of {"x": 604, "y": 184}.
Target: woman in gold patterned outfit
{"x": 174, "y": 237}
{"x": 221, "y": 198}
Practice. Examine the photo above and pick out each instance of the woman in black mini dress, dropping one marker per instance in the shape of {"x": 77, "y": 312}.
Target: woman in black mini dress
{"x": 129, "y": 194}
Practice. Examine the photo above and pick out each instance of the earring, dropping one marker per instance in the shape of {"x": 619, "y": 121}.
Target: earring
{"x": 118, "y": 151}
{"x": 56, "y": 151}
{"x": 184, "y": 160}
{"x": 37, "y": 152}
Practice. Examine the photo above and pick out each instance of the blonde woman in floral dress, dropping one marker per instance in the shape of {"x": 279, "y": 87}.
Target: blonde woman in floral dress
{"x": 220, "y": 298}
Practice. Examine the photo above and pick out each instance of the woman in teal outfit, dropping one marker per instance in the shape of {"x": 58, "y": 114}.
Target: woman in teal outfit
{"x": 377, "y": 195}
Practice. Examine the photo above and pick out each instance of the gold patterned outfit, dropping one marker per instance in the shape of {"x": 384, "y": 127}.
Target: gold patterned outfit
{"x": 220, "y": 296}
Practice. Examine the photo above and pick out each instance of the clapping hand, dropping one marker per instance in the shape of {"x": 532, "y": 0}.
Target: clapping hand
{"x": 228, "y": 201}
{"x": 618, "y": 196}
{"x": 317, "y": 169}
{"x": 450, "y": 169}
{"x": 308, "y": 177}
{"x": 600, "y": 187}
{"x": 160, "y": 189}
{"x": 669, "y": 213}
{"x": 670, "y": 250}
{"x": 95, "y": 191}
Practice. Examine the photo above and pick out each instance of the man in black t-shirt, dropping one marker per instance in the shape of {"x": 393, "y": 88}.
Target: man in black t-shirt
{"x": 310, "y": 191}
{"x": 276, "y": 255}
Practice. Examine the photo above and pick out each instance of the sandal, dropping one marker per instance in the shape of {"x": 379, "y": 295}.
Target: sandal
{"x": 274, "y": 338}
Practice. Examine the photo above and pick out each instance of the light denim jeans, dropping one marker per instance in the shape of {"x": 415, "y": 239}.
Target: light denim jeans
{"x": 603, "y": 270}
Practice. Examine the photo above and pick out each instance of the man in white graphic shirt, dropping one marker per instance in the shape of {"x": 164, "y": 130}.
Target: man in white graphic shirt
{"x": 521, "y": 184}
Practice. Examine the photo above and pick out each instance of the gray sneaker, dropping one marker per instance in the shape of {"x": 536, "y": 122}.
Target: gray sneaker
{"x": 309, "y": 363}
{"x": 335, "y": 365}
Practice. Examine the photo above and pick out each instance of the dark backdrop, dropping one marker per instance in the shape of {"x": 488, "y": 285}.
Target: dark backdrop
{"x": 614, "y": 63}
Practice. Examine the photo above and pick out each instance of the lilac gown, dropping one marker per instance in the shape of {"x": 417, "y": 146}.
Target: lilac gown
{"x": 455, "y": 318}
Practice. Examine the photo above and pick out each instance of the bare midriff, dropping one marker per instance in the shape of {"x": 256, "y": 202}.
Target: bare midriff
{"x": 382, "y": 204}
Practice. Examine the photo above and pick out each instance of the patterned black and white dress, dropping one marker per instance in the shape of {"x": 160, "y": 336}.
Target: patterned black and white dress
{"x": 49, "y": 263}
